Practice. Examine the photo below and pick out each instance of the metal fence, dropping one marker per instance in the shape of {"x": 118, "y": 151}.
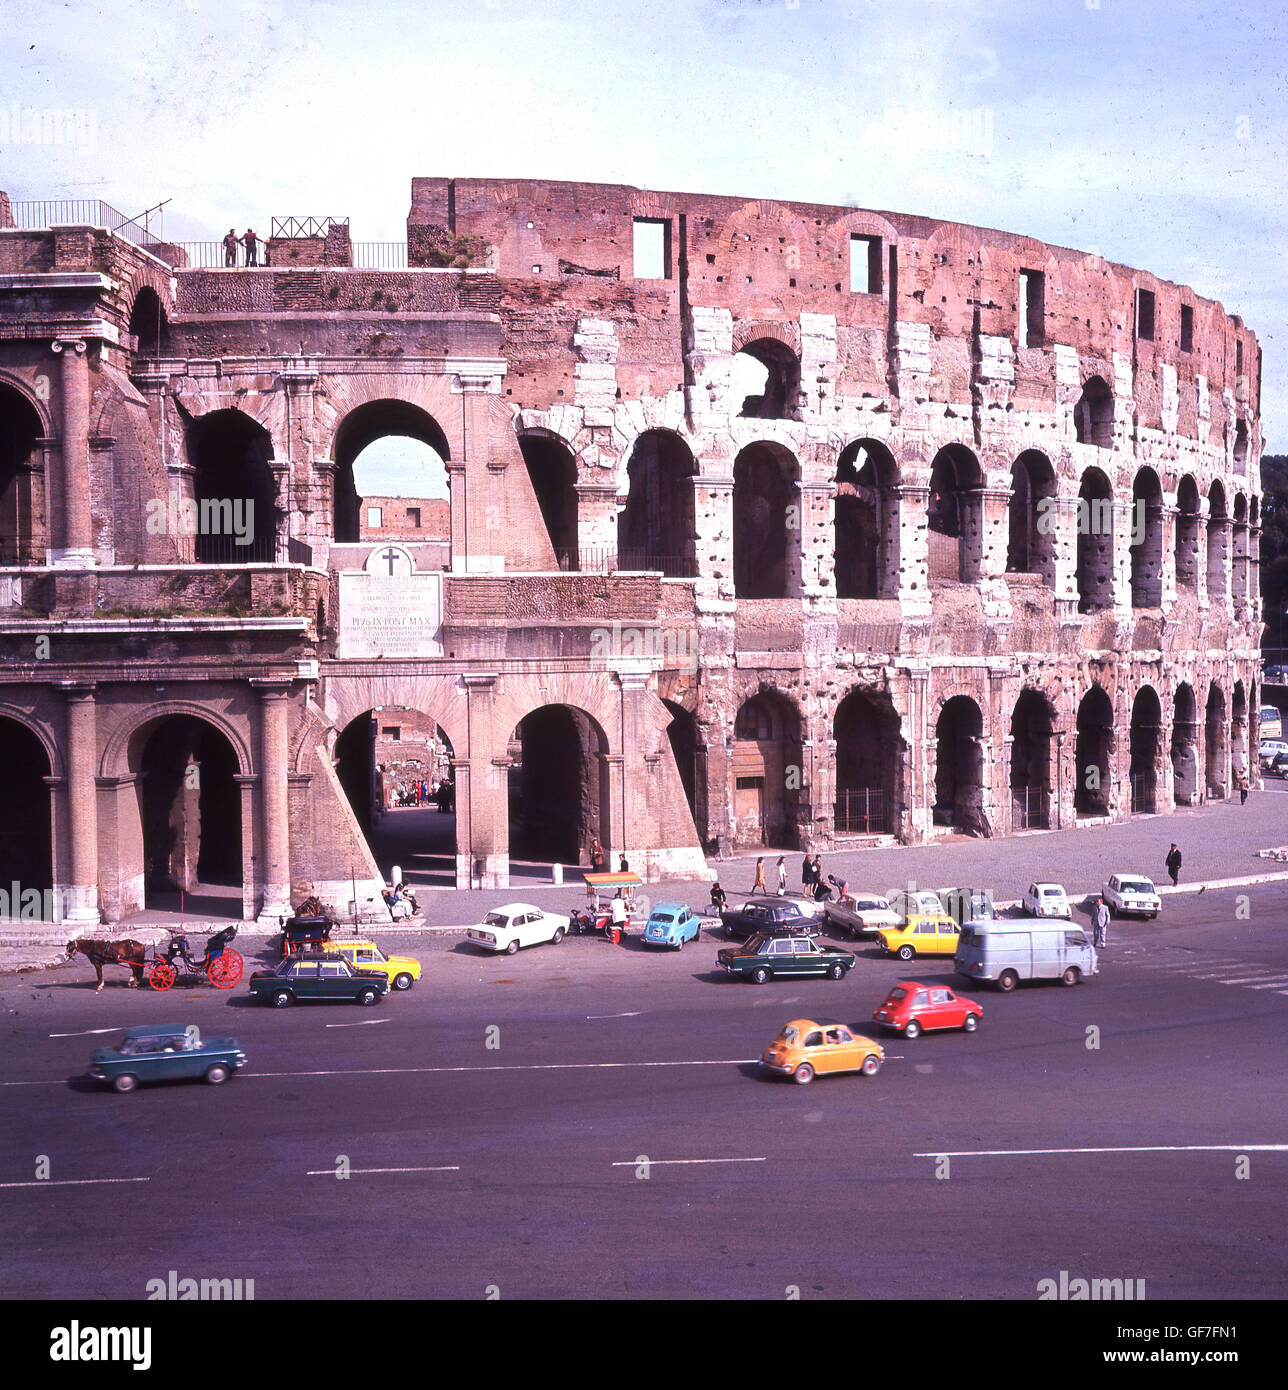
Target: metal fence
{"x": 225, "y": 550}
{"x": 1144, "y": 793}
{"x": 1031, "y": 808}
{"x": 601, "y": 560}
{"x": 380, "y": 255}
{"x": 306, "y": 226}
{"x": 147, "y": 229}
{"x": 863, "y": 811}
{"x": 367, "y": 255}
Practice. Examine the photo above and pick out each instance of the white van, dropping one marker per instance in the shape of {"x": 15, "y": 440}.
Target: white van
{"x": 1007, "y": 951}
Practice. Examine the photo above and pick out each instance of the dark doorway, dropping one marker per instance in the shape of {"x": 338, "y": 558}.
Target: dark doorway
{"x": 25, "y": 827}
{"x": 766, "y": 514}
{"x": 1214, "y": 743}
{"x": 959, "y": 767}
{"x": 1184, "y": 750}
{"x": 656, "y": 529}
{"x": 869, "y": 748}
{"x": 552, "y": 471}
{"x": 953, "y": 542}
{"x": 558, "y": 787}
{"x": 22, "y": 529}
{"x": 408, "y": 461}
{"x": 766, "y": 772}
{"x": 236, "y": 495}
{"x": 1092, "y": 753}
{"x": 1146, "y": 734}
{"x": 691, "y": 762}
{"x": 867, "y": 522}
{"x": 1032, "y": 723}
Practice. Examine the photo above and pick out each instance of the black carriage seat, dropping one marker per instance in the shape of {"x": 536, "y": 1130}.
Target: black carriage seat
{"x": 216, "y": 944}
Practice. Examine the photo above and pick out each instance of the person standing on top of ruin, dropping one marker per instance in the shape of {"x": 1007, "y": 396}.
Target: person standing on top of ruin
{"x": 251, "y": 242}
{"x": 759, "y": 885}
{"x": 230, "y": 247}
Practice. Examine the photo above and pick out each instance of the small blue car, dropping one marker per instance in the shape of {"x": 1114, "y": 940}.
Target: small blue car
{"x": 671, "y": 924}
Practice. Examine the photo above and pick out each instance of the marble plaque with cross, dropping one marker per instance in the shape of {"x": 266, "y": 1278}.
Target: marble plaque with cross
{"x": 389, "y": 609}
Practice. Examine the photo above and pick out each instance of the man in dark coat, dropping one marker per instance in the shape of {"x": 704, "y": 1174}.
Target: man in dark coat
{"x": 1174, "y": 863}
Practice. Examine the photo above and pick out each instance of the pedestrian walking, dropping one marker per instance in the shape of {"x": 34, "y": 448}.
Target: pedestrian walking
{"x": 759, "y": 885}
{"x": 782, "y": 875}
{"x": 1243, "y": 788}
{"x": 230, "y": 247}
{"x": 1174, "y": 863}
{"x": 1100, "y": 921}
{"x": 251, "y": 242}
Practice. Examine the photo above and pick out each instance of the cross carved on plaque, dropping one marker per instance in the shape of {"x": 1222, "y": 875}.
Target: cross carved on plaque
{"x": 390, "y": 556}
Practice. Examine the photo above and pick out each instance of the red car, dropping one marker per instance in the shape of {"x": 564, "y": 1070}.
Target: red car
{"x": 911, "y": 1008}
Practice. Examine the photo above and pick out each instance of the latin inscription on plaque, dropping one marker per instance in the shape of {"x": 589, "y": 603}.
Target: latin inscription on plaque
{"x": 390, "y": 614}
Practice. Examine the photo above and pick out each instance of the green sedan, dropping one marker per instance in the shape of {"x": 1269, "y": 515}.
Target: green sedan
{"x": 762, "y": 957}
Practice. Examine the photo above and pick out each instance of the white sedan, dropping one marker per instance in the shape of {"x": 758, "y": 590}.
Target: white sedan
{"x": 1047, "y": 900}
{"x": 1132, "y": 893}
{"x": 861, "y": 913}
{"x": 517, "y": 924}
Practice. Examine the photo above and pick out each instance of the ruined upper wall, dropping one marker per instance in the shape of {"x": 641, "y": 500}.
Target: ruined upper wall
{"x": 565, "y": 250}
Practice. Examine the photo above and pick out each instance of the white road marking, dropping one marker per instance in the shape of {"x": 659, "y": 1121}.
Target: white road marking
{"x": 84, "y": 1033}
{"x": 330, "y": 1172}
{"x": 1271, "y": 984}
{"x": 366, "y": 1023}
{"x": 73, "y": 1182}
{"x": 1142, "y": 1149}
{"x": 1248, "y": 979}
{"x": 636, "y": 1014}
{"x": 664, "y": 1162}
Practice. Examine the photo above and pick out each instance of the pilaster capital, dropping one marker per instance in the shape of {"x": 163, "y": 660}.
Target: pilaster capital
{"x": 76, "y": 346}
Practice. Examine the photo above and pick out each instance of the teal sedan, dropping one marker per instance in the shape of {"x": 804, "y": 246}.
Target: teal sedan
{"x": 166, "y": 1052}
{"x": 761, "y": 958}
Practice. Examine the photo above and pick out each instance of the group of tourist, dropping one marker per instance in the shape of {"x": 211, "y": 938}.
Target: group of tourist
{"x": 419, "y": 792}
{"x": 813, "y": 884}
{"x": 250, "y": 241}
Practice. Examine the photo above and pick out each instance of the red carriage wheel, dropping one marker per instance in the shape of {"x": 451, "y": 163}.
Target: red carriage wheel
{"x": 226, "y": 970}
{"x": 162, "y": 975}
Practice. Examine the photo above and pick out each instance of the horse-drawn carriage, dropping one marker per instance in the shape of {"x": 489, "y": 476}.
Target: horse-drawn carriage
{"x": 308, "y": 929}
{"x": 219, "y": 964}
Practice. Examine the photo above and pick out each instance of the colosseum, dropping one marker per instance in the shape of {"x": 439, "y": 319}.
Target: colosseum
{"x": 768, "y": 524}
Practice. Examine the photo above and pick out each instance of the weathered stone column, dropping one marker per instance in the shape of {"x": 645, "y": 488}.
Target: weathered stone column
{"x": 458, "y": 511}
{"x": 912, "y": 499}
{"x": 77, "y": 538}
{"x": 817, "y": 537}
{"x": 483, "y": 835}
{"x": 1166, "y": 518}
{"x": 82, "y": 804}
{"x": 596, "y": 526}
{"x": 275, "y": 865}
{"x": 1062, "y": 519}
{"x": 713, "y": 510}
{"x": 481, "y": 550}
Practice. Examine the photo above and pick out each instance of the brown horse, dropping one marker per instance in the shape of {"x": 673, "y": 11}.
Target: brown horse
{"x": 100, "y": 953}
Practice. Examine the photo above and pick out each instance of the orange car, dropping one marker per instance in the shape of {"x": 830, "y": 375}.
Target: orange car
{"x": 807, "y": 1047}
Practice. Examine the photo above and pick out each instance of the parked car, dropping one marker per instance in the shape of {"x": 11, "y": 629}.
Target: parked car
{"x": 808, "y": 1047}
{"x": 518, "y": 924}
{"x": 1269, "y": 749}
{"x": 911, "y": 1008}
{"x": 1270, "y": 721}
{"x": 770, "y": 915}
{"x": 967, "y": 904}
{"x": 317, "y": 976}
{"x": 1132, "y": 893}
{"x": 1278, "y": 765}
{"x": 934, "y": 935}
{"x": 1007, "y": 952}
{"x": 862, "y": 915}
{"x": 1047, "y": 900}
{"x": 671, "y": 924}
{"x": 921, "y": 902}
{"x": 165, "y": 1052}
{"x": 1275, "y": 675}
{"x": 401, "y": 971}
{"x": 763, "y": 957}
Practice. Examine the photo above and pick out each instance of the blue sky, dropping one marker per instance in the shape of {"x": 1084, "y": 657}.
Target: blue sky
{"x": 1152, "y": 134}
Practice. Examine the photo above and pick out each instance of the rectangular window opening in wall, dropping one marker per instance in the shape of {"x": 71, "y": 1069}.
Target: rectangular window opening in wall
{"x": 1238, "y": 357}
{"x": 394, "y": 734}
{"x": 1145, "y": 315}
{"x": 374, "y": 518}
{"x": 1187, "y": 328}
{"x": 1032, "y": 315}
{"x": 413, "y": 516}
{"x": 865, "y": 265}
{"x": 652, "y": 248}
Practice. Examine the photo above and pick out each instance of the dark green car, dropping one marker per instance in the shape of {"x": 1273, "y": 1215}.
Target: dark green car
{"x": 317, "y": 977}
{"x": 166, "y": 1052}
{"x": 762, "y": 957}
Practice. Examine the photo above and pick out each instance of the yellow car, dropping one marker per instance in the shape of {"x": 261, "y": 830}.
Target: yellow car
{"x": 809, "y": 1046}
{"x": 921, "y": 934}
{"x": 402, "y": 971}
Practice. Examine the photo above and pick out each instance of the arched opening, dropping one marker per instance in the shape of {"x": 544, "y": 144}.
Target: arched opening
{"x": 866, "y": 522}
{"x": 396, "y": 768}
{"x": 1240, "y": 450}
{"x": 26, "y": 846}
{"x": 1030, "y": 514}
{"x": 869, "y": 749}
{"x": 390, "y": 449}
{"x": 1189, "y": 531}
{"x": 1032, "y": 730}
{"x": 959, "y": 767}
{"x": 953, "y": 515}
{"x": 237, "y": 511}
{"x": 22, "y": 481}
{"x": 1092, "y": 752}
{"x": 766, "y": 516}
{"x": 1146, "y": 735}
{"x": 1146, "y": 546}
{"x": 1218, "y": 540}
{"x": 766, "y": 378}
{"x": 1095, "y": 573}
{"x": 148, "y": 323}
{"x": 1239, "y": 562}
{"x": 558, "y": 787}
{"x": 1184, "y": 750}
{"x": 552, "y": 471}
{"x": 1214, "y": 743}
{"x": 1093, "y": 415}
{"x": 766, "y": 773}
{"x": 690, "y": 756}
{"x": 656, "y": 529}
{"x": 190, "y": 812}
{"x": 1239, "y": 730}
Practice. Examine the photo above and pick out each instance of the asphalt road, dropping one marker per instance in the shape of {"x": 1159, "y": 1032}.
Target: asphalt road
{"x": 528, "y": 1156}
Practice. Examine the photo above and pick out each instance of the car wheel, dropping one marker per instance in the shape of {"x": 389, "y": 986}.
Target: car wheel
{"x": 971, "y": 1023}
{"x": 403, "y": 981}
{"x": 1007, "y": 981}
{"x": 760, "y": 975}
{"x": 836, "y": 972}
{"x": 367, "y": 997}
{"x": 282, "y": 998}
{"x": 1071, "y": 976}
{"x": 512, "y": 947}
{"x": 871, "y": 1064}
{"x": 913, "y": 1030}
{"x": 679, "y": 945}
{"x": 905, "y": 952}
{"x": 803, "y": 1074}
{"x": 125, "y": 1082}
{"x": 217, "y": 1073}
{"x": 557, "y": 937}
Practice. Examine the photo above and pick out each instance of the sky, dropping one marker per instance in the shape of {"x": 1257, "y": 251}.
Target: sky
{"x": 1151, "y": 134}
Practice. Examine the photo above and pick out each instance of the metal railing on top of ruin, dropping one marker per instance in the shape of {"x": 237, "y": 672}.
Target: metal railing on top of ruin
{"x": 367, "y": 255}
{"x": 306, "y": 226}
{"x": 597, "y": 560}
{"x": 145, "y": 230}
